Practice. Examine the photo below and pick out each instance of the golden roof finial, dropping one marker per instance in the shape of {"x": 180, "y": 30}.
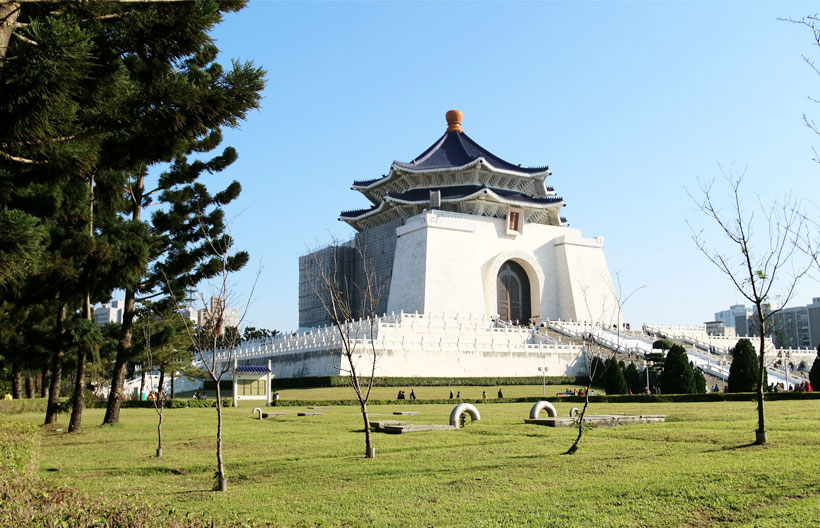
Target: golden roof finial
{"x": 454, "y": 121}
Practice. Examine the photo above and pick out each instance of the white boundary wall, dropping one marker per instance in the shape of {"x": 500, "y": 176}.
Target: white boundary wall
{"x": 428, "y": 345}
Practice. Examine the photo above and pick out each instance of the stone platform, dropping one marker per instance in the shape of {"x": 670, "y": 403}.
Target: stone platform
{"x": 600, "y": 420}
{"x": 396, "y": 427}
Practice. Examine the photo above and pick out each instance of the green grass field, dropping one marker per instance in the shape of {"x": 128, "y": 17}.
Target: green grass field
{"x": 697, "y": 469}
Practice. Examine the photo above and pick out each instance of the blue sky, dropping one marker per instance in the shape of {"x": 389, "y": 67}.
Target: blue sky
{"x": 629, "y": 103}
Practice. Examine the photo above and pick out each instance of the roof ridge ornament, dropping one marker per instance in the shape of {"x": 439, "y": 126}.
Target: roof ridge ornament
{"x": 454, "y": 118}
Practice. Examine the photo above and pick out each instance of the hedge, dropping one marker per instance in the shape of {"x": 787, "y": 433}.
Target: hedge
{"x": 614, "y": 398}
{"x": 19, "y": 442}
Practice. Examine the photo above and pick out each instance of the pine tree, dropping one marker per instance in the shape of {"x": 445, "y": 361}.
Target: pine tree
{"x": 633, "y": 378}
{"x": 94, "y": 95}
{"x": 700, "y": 381}
{"x": 614, "y": 380}
{"x": 814, "y": 373}
{"x": 677, "y": 376}
{"x": 743, "y": 370}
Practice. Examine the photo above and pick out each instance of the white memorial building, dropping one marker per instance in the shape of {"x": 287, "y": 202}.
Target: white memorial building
{"x": 470, "y": 253}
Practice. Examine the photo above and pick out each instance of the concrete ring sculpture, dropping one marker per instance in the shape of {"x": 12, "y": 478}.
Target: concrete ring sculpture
{"x": 575, "y": 411}
{"x": 257, "y": 409}
{"x": 461, "y": 408}
{"x": 540, "y": 406}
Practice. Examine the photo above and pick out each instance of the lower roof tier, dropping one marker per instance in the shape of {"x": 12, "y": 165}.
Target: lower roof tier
{"x": 469, "y": 199}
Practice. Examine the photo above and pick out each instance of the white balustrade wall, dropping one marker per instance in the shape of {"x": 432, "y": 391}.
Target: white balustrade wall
{"x": 413, "y": 344}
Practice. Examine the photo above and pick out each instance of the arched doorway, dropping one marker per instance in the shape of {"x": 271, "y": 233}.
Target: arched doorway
{"x": 513, "y": 293}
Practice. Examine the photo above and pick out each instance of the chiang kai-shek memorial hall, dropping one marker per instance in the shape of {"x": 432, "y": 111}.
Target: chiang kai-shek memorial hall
{"x": 470, "y": 253}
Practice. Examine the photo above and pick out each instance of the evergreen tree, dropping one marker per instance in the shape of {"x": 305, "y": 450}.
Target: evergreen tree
{"x": 814, "y": 373}
{"x": 94, "y": 95}
{"x": 614, "y": 378}
{"x": 743, "y": 370}
{"x": 677, "y": 376}
{"x": 633, "y": 379}
{"x": 700, "y": 381}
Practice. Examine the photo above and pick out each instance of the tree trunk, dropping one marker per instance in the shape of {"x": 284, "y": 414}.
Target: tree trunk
{"x": 142, "y": 385}
{"x": 221, "y": 479}
{"x": 173, "y": 392}
{"x": 43, "y": 380}
{"x": 16, "y": 379}
{"x": 761, "y": 437}
{"x": 112, "y": 411}
{"x": 56, "y": 367}
{"x": 369, "y": 450}
{"x": 161, "y": 383}
{"x": 8, "y": 19}
{"x": 76, "y": 420}
{"x": 159, "y": 429}
{"x": 29, "y": 386}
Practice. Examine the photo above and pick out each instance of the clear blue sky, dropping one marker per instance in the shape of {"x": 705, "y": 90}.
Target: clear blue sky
{"x": 629, "y": 103}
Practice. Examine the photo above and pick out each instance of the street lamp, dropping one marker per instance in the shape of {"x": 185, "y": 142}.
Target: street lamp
{"x": 785, "y": 356}
{"x": 543, "y": 371}
{"x": 647, "y": 364}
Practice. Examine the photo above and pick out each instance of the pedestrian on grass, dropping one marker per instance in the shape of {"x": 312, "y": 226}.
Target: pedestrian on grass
{"x": 500, "y": 394}
{"x": 412, "y": 394}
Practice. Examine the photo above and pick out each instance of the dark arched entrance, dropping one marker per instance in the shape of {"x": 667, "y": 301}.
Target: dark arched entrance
{"x": 513, "y": 293}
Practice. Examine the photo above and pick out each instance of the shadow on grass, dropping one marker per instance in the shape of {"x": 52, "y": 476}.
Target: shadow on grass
{"x": 735, "y": 447}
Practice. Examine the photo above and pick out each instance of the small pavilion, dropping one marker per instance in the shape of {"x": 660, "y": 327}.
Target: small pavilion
{"x": 252, "y": 382}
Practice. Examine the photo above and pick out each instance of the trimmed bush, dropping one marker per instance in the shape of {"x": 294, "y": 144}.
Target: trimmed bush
{"x": 700, "y": 382}
{"x": 743, "y": 371}
{"x": 663, "y": 344}
{"x": 814, "y": 373}
{"x": 614, "y": 378}
{"x": 18, "y": 448}
{"x": 633, "y": 378}
{"x": 677, "y": 376}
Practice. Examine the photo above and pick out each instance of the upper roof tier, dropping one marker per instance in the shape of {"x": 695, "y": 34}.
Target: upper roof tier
{"x": 456, "y": 150}
{"x": 455, "y": 158}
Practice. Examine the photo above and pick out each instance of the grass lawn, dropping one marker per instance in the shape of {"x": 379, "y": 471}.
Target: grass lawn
{"x": 697, "y": 469}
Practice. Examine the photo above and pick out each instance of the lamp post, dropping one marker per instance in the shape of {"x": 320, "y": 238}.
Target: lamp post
{"x": 647, "y": 364}
{"x": 543, "y": 371}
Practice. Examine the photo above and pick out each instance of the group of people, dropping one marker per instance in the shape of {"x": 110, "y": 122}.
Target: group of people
{"x": 155, "y": 396}
{"x": 402, "y": 396}
{"x": 803, "y": 386}
{"x": 200, "y": 396}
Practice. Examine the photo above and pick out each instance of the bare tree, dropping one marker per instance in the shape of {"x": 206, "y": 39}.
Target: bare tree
{"x": 337, "y": 294}
{"x": 593, "y": 357}
{"x": 813, "y": 24}
{"x": 215, "y": 348}
{"x": 760, "y": 260}
{"x": 159, "y": 399}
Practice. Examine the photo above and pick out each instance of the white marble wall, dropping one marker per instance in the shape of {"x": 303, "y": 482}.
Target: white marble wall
{"x": 449, "y": 262}
{"x": 428, "y": 345}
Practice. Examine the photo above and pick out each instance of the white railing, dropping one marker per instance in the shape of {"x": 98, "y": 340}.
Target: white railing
{"x": 407, "y": 331}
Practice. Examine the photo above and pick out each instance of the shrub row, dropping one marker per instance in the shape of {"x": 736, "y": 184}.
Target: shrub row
{"x": 344, "y": 381}
{"x": 29, "y": 501}
{"x": 18, "y": 448}
{"x": 177, "y": 403}
{"x": 615, "y": 398}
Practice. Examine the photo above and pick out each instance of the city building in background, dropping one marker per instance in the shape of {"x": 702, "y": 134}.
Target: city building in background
{"x": 791, "y": 328}
{"x": 109, "y": 313}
